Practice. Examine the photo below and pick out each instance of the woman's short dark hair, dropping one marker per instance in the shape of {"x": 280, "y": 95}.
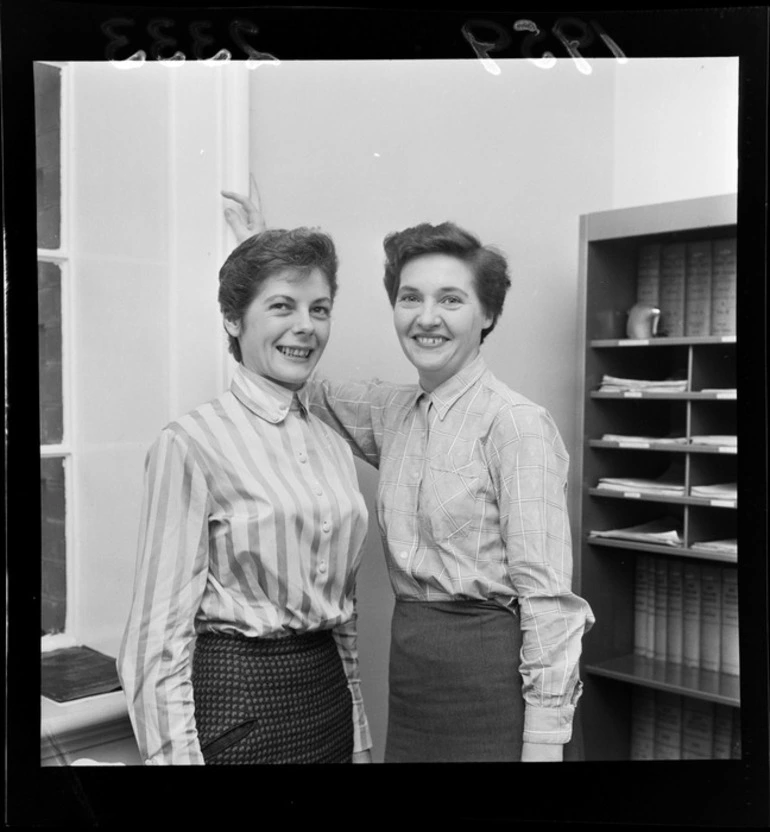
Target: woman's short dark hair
{"x": 264, "y": 255}
{"x": 489, "y": 266}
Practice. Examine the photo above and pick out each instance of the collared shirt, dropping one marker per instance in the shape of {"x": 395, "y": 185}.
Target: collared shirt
{"x": 471, "y": 504}
{"x": 252, "y": 522}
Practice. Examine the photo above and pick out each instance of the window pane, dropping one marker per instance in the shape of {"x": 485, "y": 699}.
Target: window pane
{"x": 50, "y": 352}
{"x": 48, "y": 136}
{"x": 54, "y": 571}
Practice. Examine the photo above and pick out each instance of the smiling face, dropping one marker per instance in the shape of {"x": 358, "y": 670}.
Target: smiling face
{"x": 438, "y": 317}
{"x": 286, "y": 327}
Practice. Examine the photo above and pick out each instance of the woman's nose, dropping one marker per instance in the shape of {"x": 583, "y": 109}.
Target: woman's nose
{"x": 303, "y": 323}
{"x": 428, "y": 316}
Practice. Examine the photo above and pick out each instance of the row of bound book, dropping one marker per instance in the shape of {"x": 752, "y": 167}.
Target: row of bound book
{"x": 686, "y": 613}
{"x": 693, "y": 285}
{"x": 667, "y": 726}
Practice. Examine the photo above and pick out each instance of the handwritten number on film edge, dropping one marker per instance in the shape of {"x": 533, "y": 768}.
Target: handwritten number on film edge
{"x": 571, "y": 32}
{"x": 162, "y": 42}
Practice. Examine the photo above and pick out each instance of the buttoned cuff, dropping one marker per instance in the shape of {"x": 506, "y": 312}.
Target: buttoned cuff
{"x": 362, "y": 739}
{"x": 550, "y": 725}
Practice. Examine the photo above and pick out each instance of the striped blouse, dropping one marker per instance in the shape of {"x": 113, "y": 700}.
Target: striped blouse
{"x": 252, "y": 523}
{"x": 471, "y": 504}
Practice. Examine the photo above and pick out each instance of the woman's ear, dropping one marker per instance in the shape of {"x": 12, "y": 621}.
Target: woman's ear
{"x": 233, "y": 328}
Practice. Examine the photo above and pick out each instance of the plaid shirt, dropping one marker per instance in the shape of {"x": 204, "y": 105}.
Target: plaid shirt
{"x": 471, "y": 504}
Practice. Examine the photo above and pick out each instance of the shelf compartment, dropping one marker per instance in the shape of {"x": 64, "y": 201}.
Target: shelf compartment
{"x": 664, "y": 446}
{"x": 670, "y": 551}
{"x": 721, "y": 688}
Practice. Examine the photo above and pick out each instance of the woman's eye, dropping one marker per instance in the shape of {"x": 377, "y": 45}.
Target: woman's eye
{"x": 280, "y": 305}
{"x": 408, "y": 299}
{"x": 322, "y": 311}
{"x": 451, "y": 300}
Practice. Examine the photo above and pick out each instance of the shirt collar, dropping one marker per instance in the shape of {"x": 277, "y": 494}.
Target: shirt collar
{"x": 446, "y": 394}
{"x": 270, "y": 401}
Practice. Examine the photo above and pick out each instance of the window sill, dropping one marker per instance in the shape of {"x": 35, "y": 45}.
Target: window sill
{"x": 68, "y": 729}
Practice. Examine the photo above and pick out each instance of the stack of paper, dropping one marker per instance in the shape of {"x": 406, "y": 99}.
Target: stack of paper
{"x": 612, "y": 384}
{"x": 671, "y": 489}
{"x": 721, "y": 491}
{"x": 732, "y": 391}
{"x": 666, "y": 532}
{"x": 644, "y": 440}
{"x": 729, "y": 546}
{"x": 715, "y": 439}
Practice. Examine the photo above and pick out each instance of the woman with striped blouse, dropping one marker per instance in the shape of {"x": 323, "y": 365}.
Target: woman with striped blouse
{"x": 486, "y": 631}
{"x": 240, "y": 646}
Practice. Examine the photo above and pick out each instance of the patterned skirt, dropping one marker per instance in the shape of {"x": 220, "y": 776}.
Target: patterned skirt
{"x": 282, "y": 700}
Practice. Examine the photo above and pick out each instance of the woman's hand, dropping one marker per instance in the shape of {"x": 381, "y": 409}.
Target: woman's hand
{"x": 541, "y": 752}
{"x": 362, "y": 757}
{"x": 248, "y": 219}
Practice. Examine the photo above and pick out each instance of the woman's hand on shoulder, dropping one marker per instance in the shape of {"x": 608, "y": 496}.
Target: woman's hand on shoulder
{"x": 542, "y": 752}
{"x": 362, "y": 756}
{"x": 247, "y": 219}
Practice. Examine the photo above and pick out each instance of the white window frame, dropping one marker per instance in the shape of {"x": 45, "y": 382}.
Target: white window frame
{"x": 62, "y": 258}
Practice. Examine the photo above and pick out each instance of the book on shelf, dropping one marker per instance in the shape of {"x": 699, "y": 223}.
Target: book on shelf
{"x": 672, "y": 289}
{"x": 643, "y": 724}
{"x": 711, "y": 618}
{"x": 643, "y": 579}
{"x": 662, "y": 532}
{"x": 697, "y": 305}
{"x": 668, "y": 726}
{"x": 660, "y": 567}
{"x": 648, "y": 274}
{"x": 723, "y": 731}
{"x": 691, "y": 616}
{"x": 697, "y": 729}
{"x": 729, "y": 657}
{"x": 727, "y": 392}
{"x": 724, "y": 286}
{"x": 728, "y": 546}
{"x": 675, "y": 612}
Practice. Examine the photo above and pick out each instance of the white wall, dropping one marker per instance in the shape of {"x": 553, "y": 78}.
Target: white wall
{"x": 676, "y": 123}
{"x": 148, "y": 154}
{"x": 364, "y": 148}
{"x": 359, "y": 149}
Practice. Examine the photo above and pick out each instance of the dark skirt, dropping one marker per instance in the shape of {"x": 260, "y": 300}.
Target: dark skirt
{"x": 282, "y": 700}
{"x": 455, "y": 686}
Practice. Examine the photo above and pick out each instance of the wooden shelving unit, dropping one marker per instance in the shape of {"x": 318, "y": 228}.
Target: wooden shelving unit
{"x": 609, "y": 245}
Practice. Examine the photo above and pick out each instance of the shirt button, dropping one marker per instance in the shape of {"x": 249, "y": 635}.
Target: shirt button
{"x": 322, "y": 566}
{"x": 326, "y": 525}
{"x": 319, "y": 490}
{"x": 302, "y": 457}
{"x": 404, "y": 555}
{"x": 416, "y": 474}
